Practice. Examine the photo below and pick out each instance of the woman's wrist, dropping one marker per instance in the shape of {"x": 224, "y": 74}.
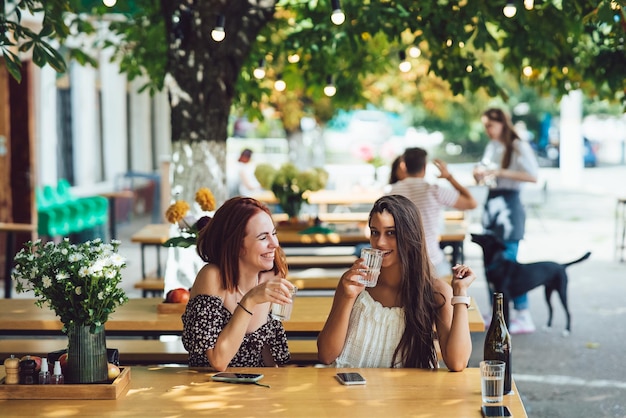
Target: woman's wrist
{"x": 456, "y": 300}
{"x": 241, "y": 305}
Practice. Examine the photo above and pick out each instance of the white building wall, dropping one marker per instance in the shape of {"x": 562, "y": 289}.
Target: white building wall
{"x": 45, "y": 99}
{"x": 114, "y": 117}
{"x": 141, "y": 159}
{"x": 85, "y": 125}
{"x": 162, "y": 127}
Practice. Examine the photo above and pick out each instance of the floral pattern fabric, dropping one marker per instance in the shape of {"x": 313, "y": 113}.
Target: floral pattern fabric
{"x": 205, "y": 317}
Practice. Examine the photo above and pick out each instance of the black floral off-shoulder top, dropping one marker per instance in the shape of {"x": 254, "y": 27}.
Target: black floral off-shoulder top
{"x": 205, "y": 317}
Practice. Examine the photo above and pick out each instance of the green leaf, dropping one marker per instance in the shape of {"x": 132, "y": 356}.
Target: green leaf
{"x": 183, "y": 242}
{"x": 39, "y": 55}
{"x": 13, "y": 64}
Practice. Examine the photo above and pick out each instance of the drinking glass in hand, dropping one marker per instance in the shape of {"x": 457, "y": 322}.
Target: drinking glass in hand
{"x": 283, "y": 312}
{"x": 373, "y": 259}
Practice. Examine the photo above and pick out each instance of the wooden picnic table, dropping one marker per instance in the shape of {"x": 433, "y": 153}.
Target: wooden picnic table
{"x": 293, "y": 392}
{"x": 152, "y": 235}
{"x": 139, "y": 317}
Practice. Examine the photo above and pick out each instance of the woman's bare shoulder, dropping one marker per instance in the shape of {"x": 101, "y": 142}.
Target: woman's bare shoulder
{"x": 208, "y": 282}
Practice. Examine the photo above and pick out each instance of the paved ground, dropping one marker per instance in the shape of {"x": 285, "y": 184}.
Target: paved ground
{"x": 578, "y": 376}
{"x": 581, "y": 375}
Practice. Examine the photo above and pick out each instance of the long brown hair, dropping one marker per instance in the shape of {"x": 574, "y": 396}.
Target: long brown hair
{"x": 221, "y": 240}
{"x": 417, "y": 293}
{"x": 508, "y": 132}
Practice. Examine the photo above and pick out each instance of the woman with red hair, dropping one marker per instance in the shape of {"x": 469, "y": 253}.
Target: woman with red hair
{"x": 227, "y": 321}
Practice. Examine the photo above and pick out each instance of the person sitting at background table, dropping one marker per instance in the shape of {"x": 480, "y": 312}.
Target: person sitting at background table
{"x": 431, "y": 200}
{"x": 391, "y": 324}
{"x": 226, "y": 322}
{"x": 398, "y": 170}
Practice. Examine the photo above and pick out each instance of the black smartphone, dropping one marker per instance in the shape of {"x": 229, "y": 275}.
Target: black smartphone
{"x": 351, "y": 378}
{"x": 237, "y": 377}
{"x": 490, "y": 411}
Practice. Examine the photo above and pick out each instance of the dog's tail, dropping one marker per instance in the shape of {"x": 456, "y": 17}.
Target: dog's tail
{"x": 583, "y": 258}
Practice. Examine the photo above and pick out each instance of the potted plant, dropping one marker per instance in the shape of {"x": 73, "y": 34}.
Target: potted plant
{"x": 80, "y": 282}
{"x": 291, "y": 185}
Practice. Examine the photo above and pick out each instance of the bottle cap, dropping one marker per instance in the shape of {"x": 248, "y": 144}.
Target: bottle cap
{"x": 44, "y": 364}
{"x": 57, "y": 368}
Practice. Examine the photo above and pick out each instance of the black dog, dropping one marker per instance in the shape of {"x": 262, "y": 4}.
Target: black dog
{"x": 514, "y": 279}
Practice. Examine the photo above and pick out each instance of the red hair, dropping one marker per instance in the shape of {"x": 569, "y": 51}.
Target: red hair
{"x": 221, "y": 240}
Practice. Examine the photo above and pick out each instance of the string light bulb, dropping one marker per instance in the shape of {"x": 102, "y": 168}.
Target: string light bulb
{"x": 414, "y": 52}
{"x": 280, "y": 84}
{"x": 527, "y": 70}
{"x": 529, "y": 4}
{"x": 509, "y": 10}
{"x": 337, "y": 16}
{"x": 293, "y": 58}
{"x": 218, "y": 33}
{"x": 109, "y": 3}
{"x": 259, "y": 72}
{"x": 404, "y": 66}
{"x": 330, "y": 90}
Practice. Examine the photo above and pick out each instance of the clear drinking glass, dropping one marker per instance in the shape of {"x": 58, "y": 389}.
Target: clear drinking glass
{"x": 373, "y": 259}
{"x": 492, "y": 380}
{"x": 283, "y": 312}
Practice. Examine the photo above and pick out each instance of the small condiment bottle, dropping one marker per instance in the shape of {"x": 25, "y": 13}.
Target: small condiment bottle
{"x": 44, "y": 373}
{"x": 28, "y": 371}
{"x": 12, "y": 369}
{"x": 57, "y": 374}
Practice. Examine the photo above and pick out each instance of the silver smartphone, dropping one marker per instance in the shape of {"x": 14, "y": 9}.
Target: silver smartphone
{"x": 237, "y": 377}
{"x": 351, "y": 378}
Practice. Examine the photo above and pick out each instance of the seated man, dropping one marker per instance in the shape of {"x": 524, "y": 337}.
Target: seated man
{"x": 431, "y": 200}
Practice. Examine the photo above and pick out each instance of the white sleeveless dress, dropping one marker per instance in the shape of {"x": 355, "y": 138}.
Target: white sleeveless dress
{"x": 374, "y": 332}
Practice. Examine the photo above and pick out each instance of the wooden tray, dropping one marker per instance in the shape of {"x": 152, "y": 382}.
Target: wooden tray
{"x": 111, "y": 390}
{"x": 171, "y": 308}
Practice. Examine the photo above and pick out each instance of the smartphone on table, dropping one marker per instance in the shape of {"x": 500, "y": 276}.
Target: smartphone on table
{"x": 237, "y": 377}
{"x": 351, "y": 378}
{"x": 490, "y": 411}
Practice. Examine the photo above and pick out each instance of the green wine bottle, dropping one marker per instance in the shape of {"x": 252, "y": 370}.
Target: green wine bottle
{"x": 498, "y": 340}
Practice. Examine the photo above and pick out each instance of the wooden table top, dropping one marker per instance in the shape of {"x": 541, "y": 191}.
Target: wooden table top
{"x": 140, "y": 317}
{"x": 153, "y": 234}
{"x": 454, "y": 230}
{"x": 294, "y": 392}
{"x": 330, "y": 197}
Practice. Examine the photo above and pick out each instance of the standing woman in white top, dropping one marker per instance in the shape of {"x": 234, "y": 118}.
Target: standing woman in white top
{"x": 395, "y": 323}
{"x": 508, "y": 163}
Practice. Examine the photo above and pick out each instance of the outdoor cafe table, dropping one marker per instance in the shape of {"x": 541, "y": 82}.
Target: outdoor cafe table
{"x": 453, "y": 235}
{"x": 161, "y": 391}
{"x": 139, "y": 317}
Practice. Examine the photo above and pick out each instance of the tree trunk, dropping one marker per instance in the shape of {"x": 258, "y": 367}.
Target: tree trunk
{"x": 201, "y": 79}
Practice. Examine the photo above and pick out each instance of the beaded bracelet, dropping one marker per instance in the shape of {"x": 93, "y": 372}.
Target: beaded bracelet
{"x": 244, "y": 308}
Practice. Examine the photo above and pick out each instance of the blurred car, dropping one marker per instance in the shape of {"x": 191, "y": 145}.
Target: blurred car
{"x": 550, "y": 155}
{"x": 590, "y": 153}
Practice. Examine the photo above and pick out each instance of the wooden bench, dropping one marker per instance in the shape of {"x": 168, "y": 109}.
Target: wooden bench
{"x": 322, "y": 261}
{"x": 155, "y": 286}
{"x": 315, "y": 278}
{"x": 139, "y": 351}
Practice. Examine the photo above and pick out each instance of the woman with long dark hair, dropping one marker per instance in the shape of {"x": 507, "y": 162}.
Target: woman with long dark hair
{"x": 395, "y": 323}
{"x": 508, "y": 162}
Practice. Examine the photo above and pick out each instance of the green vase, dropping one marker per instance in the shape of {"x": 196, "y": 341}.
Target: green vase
{"x": 86, "y": 355}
